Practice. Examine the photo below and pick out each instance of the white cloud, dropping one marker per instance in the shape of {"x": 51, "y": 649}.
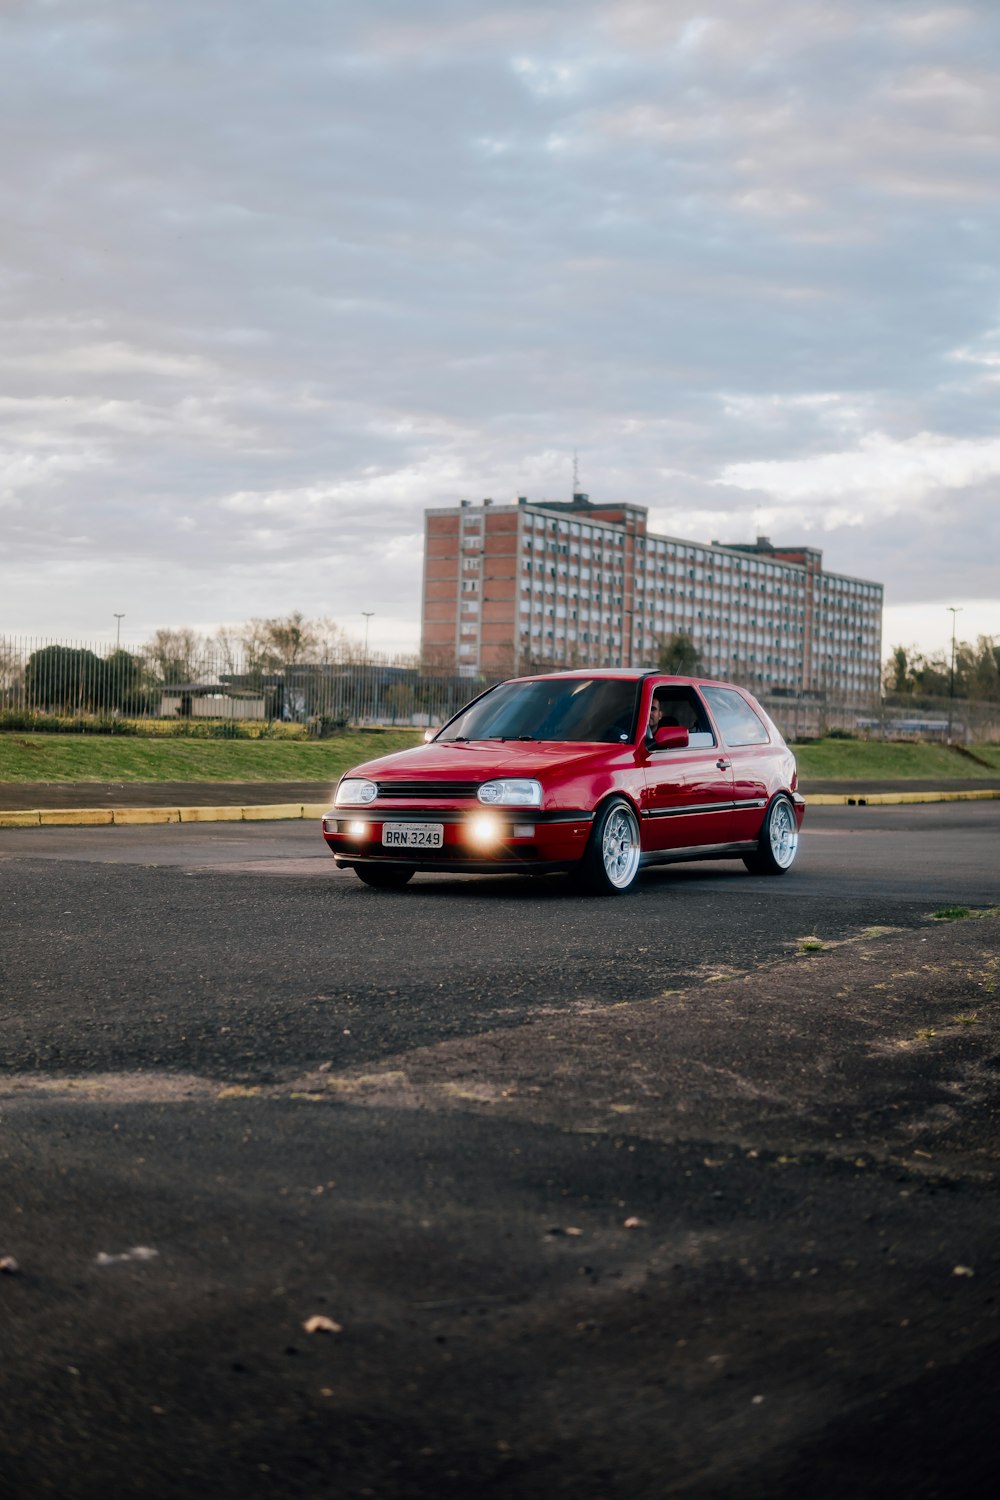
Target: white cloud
{"x": 112, "y": 358}
{"x": 24, "y": 472}
{"x": 885, "y": 472}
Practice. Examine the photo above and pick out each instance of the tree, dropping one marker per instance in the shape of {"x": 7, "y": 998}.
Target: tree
{"x": 63, "y": 679}
{"x": 227, "y": 648}
{"x": 332, "y": 643}
{"x": 177, "y": 656}
{"x": 910, "y": 673}
{"x": 11, "y": 674}
{"x": 897, "y": 672}
{"x": 289, "y": 641}
{"x": 126, "y": 684}
{"x": 984, "y": 671}
{"x": 678, "y": 655}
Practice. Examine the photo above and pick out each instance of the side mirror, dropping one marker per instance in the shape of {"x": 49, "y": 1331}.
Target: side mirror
{"x": 670, "y": 737}
{"x": 429, "y": 735}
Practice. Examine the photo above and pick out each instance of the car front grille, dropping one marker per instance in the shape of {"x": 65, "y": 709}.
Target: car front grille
{"x": 453, "y": 789}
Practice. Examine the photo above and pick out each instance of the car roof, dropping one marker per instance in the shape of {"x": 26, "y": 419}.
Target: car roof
{"x": 626, "y": 674}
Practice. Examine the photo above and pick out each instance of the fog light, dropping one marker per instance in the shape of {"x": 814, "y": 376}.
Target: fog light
{"x": 524, "y": 830}
{"x": 485, "y": 829}
{"x": 357, "y": 830}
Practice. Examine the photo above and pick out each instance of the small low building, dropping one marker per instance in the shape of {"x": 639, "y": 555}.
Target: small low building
{"x": 211, "y": 700}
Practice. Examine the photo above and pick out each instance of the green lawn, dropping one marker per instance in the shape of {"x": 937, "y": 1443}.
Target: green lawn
{"x": 873, "y": 760}
{"x": 78, "y": 757}
{"x": 989, "y": 753}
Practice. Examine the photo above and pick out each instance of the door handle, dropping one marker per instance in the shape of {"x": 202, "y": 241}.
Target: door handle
{"x": 723, "y": 764}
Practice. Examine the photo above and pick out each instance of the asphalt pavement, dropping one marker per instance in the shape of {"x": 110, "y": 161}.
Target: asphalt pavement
{"x": 689, "y": 1193}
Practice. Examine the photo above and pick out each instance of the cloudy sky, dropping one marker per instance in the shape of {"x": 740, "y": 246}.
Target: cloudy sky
{"x": 275, "y": 275}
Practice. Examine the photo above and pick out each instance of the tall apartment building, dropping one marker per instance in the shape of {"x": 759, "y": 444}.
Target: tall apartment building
{"x": 523, "y": 587}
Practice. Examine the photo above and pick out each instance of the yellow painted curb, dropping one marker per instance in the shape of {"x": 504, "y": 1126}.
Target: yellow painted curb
{"x": 77, "y": 817}
{"x": 226, "y": 814}
{"x": 146, "y": 815}
{"x": 89, "y": 817}
{"x": 889, "y": 799}
{"x": 276, "y": 810}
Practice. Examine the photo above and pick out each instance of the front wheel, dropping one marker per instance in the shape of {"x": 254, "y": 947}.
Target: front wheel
{"x": 384, "y": 877}
{"x": 611, "y": 861}
{"x": 779, "y": 841}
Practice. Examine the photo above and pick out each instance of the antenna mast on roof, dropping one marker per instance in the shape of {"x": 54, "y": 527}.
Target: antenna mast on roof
{"x": 576, "y": 475}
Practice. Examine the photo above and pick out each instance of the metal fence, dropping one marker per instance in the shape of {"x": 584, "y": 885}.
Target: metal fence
{"x": 100, "y": 683}
{"x": 88, "y": 680}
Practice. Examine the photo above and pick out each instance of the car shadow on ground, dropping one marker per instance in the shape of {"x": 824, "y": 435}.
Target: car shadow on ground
{"x": 554, "y": 888}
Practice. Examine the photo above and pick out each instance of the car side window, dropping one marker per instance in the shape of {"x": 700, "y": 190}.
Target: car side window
{"x": 682, "y": 706}
{"x": 734, "y": 716}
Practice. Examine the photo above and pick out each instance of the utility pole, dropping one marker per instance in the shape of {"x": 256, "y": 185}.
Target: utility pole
{"x": 118, "y": 630}
{"x": 955, "y": 611}
{"x": 367, "y": 614}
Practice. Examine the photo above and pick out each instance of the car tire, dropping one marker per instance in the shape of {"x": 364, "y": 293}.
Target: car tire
{"x": 611, "y": 861}
{"x": 779, "y": 840}
{"x": 384, "y": 877}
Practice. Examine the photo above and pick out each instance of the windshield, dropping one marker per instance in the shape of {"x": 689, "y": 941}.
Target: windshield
{"x": 599, "y": 710}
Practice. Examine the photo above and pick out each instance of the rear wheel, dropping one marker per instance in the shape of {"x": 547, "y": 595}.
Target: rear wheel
{"x": 611, "y": 861}
{"x": 778, "y": 843}
{"x": 384, "y": 877}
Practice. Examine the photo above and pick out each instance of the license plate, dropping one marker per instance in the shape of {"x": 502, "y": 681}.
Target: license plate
{"x": 412, "y": 835}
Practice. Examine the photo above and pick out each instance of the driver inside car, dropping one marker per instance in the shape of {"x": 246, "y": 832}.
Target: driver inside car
{"x": 658, "y": 716}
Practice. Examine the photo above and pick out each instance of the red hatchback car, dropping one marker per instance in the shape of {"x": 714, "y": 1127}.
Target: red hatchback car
{"x": 594, "y": 772}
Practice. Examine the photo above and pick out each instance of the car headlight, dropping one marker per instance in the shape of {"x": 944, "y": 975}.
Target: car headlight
{"x": 520, "y": 793}
{"x": 354, "y": 791}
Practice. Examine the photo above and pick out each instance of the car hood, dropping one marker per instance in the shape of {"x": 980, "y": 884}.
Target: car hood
{"x": 479, "y": 760}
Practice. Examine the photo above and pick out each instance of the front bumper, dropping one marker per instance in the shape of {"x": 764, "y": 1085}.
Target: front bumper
{"x": 519, "y": 840}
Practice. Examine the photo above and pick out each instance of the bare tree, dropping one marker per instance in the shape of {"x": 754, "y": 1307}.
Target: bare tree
{"x": 228, "y": 647}
{"x": 11, "y": 673}
{"x": 332, "y": 643}
{"x": 290, "y": 641}
{"x": 178, "y": 656}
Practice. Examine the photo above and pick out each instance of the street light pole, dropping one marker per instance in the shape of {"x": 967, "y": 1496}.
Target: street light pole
{"x": 365, "y": 676}
{"x": 955, "y": 611}
{"x": 118, "y": 629}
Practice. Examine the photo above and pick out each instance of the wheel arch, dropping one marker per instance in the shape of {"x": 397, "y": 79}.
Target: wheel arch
{"x": 620, "y": 794}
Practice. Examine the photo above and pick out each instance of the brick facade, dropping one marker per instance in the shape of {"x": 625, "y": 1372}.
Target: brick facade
{"x": 523, "y": 587}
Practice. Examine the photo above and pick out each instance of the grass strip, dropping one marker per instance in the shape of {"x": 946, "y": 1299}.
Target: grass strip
{"x": 877, "y": 760}
{"x": 70, "y": 758}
